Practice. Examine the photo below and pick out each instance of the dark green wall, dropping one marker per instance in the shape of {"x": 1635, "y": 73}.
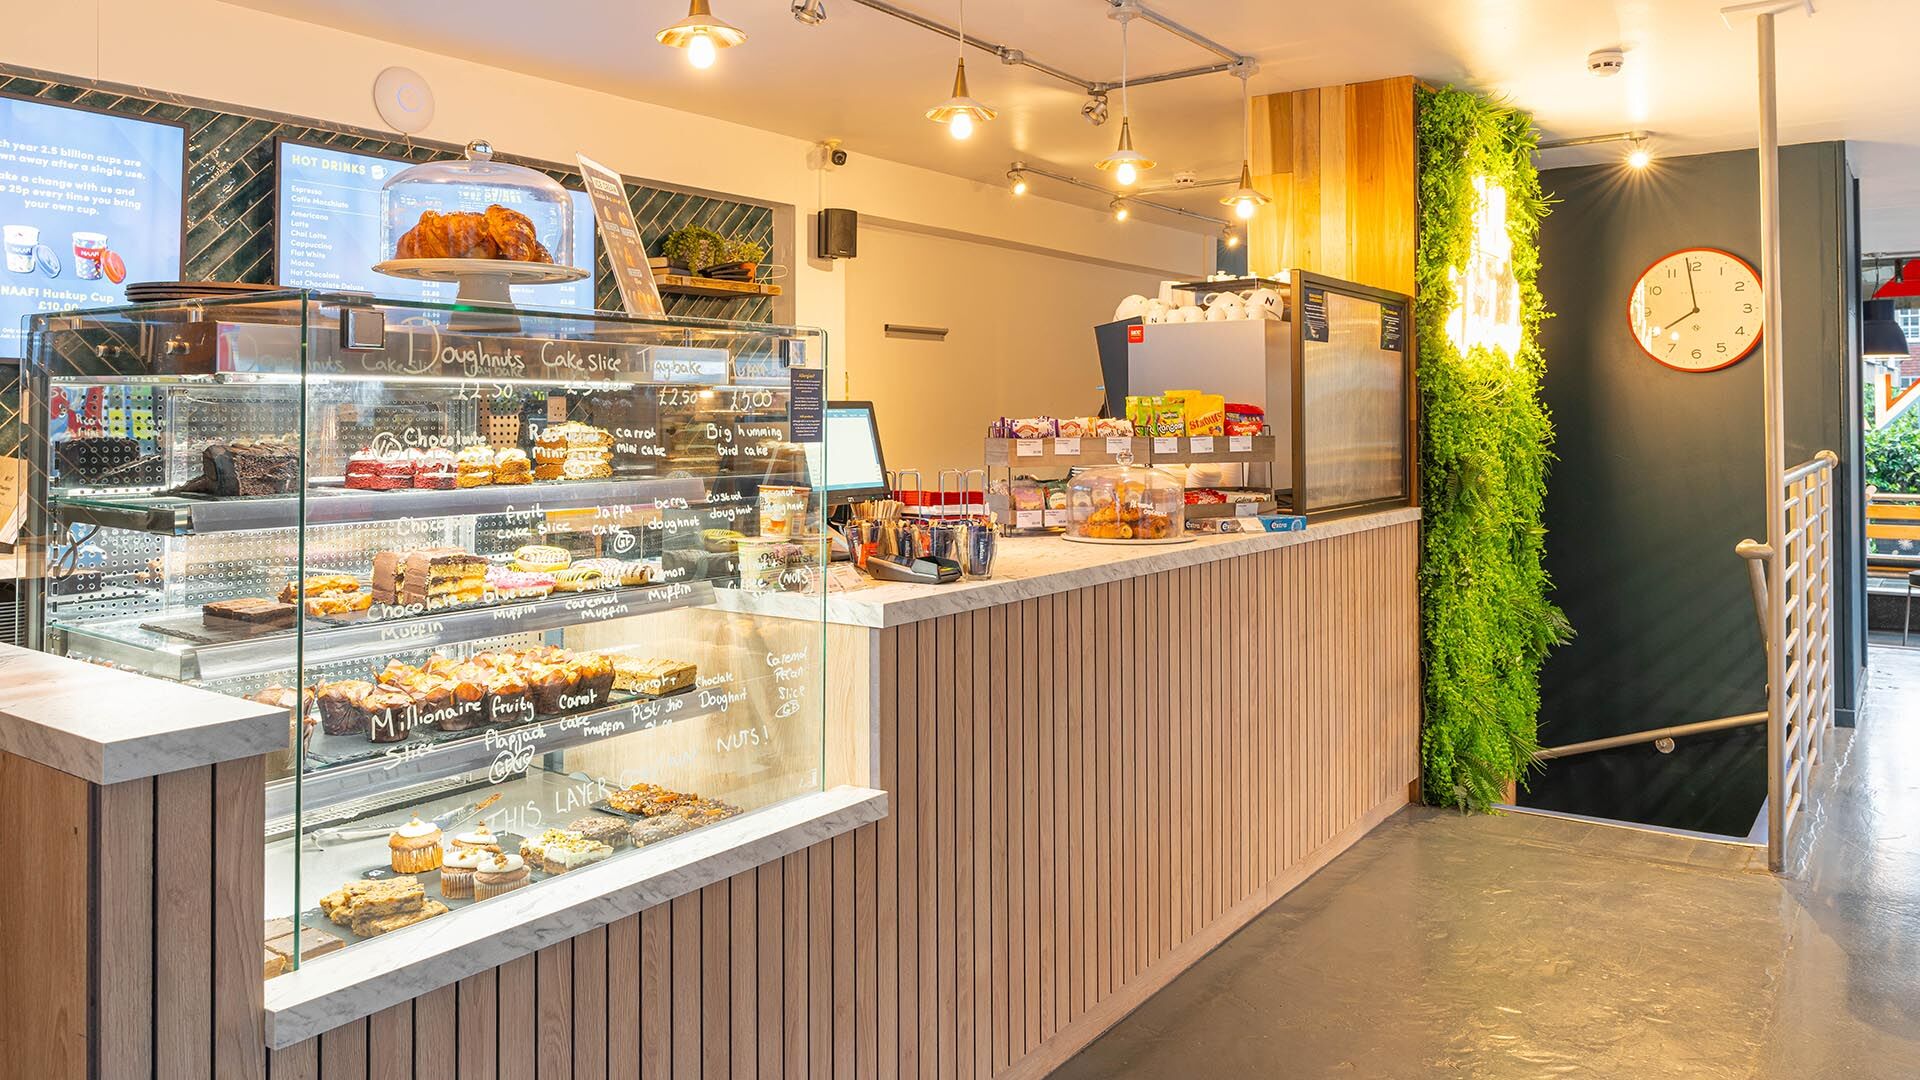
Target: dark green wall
{"x": 1660, "y": 473}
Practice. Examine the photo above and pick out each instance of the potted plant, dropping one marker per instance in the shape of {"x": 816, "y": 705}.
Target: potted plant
{"x": 693, "y": 247}
{"x": 745, "y": 252}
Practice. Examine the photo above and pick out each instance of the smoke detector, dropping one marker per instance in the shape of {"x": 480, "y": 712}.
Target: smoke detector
{"x": 1606, "y": 63}
{"x": 1185, "y": 179}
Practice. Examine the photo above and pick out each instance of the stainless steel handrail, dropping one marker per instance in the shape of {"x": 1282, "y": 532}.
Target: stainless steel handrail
{"x": 1637, "y": 738}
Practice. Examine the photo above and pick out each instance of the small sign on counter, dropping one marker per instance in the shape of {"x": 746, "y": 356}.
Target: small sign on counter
{"x": 1201, "y": 444}
{"x": 1165, "y": 445}
{"x": 1240, "y": 444}
{"x": 1029, "y": 519}
{"x": 1028, "y": 448}
{"x": 1119, "y": 445}
{"x": 626, "y": 251}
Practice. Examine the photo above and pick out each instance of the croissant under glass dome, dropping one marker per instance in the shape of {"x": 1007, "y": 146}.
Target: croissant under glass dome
{"x": 476, "y": 208}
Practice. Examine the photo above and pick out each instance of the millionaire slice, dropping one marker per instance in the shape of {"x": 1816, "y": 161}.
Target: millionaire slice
{"x": 375, "y": 925}
{"x": 371, "y": 899}
{"x": 247, "y": 611}
{"x": 651, "y": 676}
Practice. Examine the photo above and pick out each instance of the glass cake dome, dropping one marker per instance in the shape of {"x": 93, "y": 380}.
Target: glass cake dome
{"x": 476, "y": 209}
{"x": 1126, "y": 504}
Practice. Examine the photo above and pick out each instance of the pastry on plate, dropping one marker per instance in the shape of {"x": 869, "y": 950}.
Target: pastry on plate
{"x": 437, "y": 470}
{"x": 247, "y": 612}
{"x": 578, "y": 578}
{"x": 479, "y": 838}
{"x": 360, "y": 899}
{"x": 611, "y": 831}
{"x": 375, "y": 925}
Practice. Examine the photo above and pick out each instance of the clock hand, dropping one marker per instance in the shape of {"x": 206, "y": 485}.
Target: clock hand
{"x": 1692, "y": 297}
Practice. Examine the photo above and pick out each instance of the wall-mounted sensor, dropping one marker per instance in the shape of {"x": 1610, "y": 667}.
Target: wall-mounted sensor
{"x": 403, "y": 99}
{"x": 1606, "y": 63}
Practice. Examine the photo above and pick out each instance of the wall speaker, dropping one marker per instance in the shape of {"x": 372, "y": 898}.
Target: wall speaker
{"x": 836, "y": 234}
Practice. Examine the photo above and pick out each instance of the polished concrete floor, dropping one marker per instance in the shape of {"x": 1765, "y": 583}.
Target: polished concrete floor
{"x": 1528, "y": 946}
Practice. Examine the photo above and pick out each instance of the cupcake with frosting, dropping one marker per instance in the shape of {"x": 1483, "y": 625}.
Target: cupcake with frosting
{"x": 479, "y": 838}
{"x": 499, "y": 873}
{"x": 457, "y": 871}
{"x": 414, "y": 848}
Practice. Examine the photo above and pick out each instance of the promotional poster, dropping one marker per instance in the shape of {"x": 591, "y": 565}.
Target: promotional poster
{"x": 88, "y": 202}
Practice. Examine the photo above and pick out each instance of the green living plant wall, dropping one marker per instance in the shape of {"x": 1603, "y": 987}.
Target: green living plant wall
{"x": 1485, "y": 442}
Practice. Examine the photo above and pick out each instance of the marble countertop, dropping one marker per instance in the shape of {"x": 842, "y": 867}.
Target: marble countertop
{"x": 106, "y": 726}
{"x": 1028, "y": 567}
{"x": 344, "y": 986}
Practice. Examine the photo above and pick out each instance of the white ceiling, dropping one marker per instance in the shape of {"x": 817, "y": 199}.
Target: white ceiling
{"x": 866, "y": 78}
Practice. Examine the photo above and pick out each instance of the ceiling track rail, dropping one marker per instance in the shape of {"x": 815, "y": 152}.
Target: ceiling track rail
{"x": 1131, "y": 199}
{"x": 1234, "y": 62}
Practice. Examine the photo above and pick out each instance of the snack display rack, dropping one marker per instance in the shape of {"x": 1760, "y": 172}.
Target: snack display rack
{"x": 476, "y": 558}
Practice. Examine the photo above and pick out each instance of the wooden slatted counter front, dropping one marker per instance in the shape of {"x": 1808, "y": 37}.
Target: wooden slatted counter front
{"x": 1098, "y": 766}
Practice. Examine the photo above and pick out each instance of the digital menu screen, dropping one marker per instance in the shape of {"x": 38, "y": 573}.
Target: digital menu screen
{"x": 88, "y": 202}
{"x": 327, "y": 231}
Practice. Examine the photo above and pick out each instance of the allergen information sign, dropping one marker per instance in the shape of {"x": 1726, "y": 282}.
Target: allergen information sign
{"x": 1313, "y": 308}
{"x": 1392, "y": 328}
{"x": 806, "y": 405}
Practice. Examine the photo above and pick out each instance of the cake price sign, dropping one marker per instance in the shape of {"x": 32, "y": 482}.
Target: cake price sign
{"x": 626, "y": 252}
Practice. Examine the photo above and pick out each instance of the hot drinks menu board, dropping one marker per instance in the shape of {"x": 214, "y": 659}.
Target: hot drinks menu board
{"x": 88, "y": 201}
{"x": 327, "y": 231}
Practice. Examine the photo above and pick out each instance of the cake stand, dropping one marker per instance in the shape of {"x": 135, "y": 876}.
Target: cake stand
{"x": 485, "y": 281}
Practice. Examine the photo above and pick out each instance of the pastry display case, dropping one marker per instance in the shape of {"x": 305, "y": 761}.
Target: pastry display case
{"x": 1126, "y": 504}
{"x": 479, "y": 560}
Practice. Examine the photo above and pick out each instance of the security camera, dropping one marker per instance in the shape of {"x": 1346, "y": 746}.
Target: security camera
{"x": 826, "y": 155}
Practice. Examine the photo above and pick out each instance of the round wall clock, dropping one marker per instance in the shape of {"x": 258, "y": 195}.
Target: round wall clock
{"x": 1696, "y": 310}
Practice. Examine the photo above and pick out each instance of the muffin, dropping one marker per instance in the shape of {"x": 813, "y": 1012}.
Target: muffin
{"x": 479, "y": 838}
{"x": 456, "y": 872}
{"x": 501, "y": 873}
{"x": 414, "y": 848}
{"x": 555, "y": 687}
{"x": 596, "y": 676}
{"x": 343, "y": 706}
{"x": 389, "y": 717}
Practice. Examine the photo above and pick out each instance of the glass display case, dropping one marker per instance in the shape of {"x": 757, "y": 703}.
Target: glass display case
{"x": 482, "y": 558}
{"x": 1126, "y": 504}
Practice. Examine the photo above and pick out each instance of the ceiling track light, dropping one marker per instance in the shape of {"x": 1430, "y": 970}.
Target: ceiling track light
{"x": 961, "y": 112}
{"x": 1130, "y": 199}
{"x": 810, "y": 12}
{"x": 1639, "y": 154}
{"x": 1094, "y": 109}
{"x": 1230, "y": 236}
{"x": 1121, "y": 210}
{"x": 1639, "y": 157}
{"x": 1017, "y": 181}
{"x": 1245, "y": 199}
{"x": 1125, "y": 162}
{"x": 702, "y": 34}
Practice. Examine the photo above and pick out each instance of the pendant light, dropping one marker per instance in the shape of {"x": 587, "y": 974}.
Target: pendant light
{"x": 1881, "y": 337}
{"x": 702, "y": 34}
{"x": 1245, "y": 199}
{"x": 960, "y": 112}
{"x": 1125, "y": 162}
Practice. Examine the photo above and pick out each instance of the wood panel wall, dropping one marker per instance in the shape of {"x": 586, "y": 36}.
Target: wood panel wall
{"x": 130, "y": 920}
{"x": 1338, "y": 162}
{"x": 1089, "y": 791}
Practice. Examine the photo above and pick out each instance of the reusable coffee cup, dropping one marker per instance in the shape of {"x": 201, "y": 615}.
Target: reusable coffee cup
{"x": 88, "y": 248}
{"x": 20, "y": 241}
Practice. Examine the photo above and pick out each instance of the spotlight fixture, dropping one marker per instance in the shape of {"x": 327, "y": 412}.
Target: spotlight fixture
{"x": 1094, "y": 109}
{"x": 702, "y": 34}
{"x": 1125, "y": 162}
{"x": 1229, "y": 236}
{"x": 961, "y": 112}
{"x": 1017, "y": 182}
{"x": 810, "y": 12}
{"x": 1245, "y": 199}
{"x": 1121, "y": 211}
{"x": 1639, "y": 157}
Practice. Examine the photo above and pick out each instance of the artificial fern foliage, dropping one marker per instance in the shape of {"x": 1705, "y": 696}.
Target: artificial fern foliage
{"x": 1485, "y": 442}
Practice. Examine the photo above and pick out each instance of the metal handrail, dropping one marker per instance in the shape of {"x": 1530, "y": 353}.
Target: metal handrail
{"x": 1793, "y": 598}
{"x": 1637, "y": 738}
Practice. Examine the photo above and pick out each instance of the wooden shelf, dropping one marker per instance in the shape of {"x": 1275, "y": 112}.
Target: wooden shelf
{"x": 689, "y": 285}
